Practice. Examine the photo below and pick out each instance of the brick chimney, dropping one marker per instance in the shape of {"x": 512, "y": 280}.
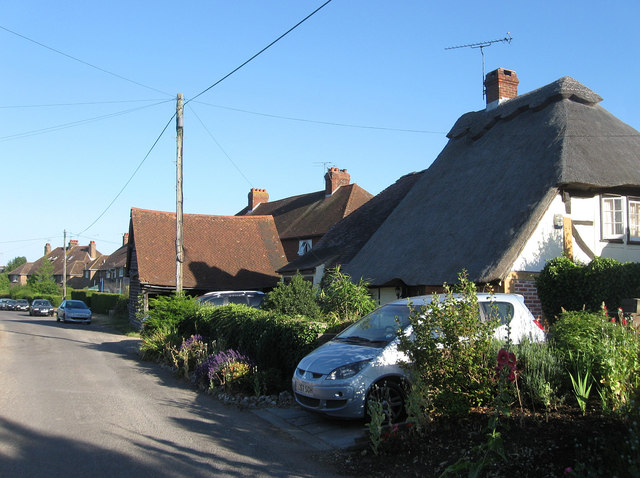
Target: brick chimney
{"x": 47, "y": 248}
{"x": 501, "y": 85}
{"x": 73, "y": 243}
{"x": 334, "y": 178}
{"x": 92, "y": 249}
{"x": 125, "y": 239}
{"x": 257, "y": 196}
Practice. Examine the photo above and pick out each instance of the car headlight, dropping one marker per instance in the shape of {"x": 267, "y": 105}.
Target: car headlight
{"x": 347, "y": 371}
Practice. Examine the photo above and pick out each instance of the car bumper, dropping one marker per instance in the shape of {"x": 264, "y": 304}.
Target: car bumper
{"x": 339, "y": 398}
{"x": 85, "y": 320}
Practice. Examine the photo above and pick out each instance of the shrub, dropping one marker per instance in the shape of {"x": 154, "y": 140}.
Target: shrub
{"x": 228, "y": 369}
{"x": 342, "y": 300}
{"x": 452, "y": 364}
{"x": 167, "y": 312}
{"x": 295, "y": 298}
{"x": 612, "y": 348}
{"x": 563, "y": 284}
{"x": 541, "y": 374}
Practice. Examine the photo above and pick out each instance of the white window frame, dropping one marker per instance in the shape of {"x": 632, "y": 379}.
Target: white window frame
{"x": 633, "y": 214}
{"x": 612, "y": 218}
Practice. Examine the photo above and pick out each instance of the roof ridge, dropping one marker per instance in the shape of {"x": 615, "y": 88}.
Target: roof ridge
{"x": 477, "y": 123}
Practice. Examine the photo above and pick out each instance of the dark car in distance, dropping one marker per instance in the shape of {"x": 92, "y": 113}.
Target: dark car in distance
{"x": 41, "y": 307}
{"x": 21, "y": 304}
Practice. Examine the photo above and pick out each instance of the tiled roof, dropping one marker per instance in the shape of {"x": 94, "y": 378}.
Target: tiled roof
{"x": 220, "y": 252}
{"x": 77, "y": 259}
{"x": 311, "y": 214}
{"x": 24, "y": 269}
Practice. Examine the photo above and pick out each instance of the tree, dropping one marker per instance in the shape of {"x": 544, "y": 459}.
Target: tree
{"x": 15, "y": 263}
{"x": 42, "y": 281}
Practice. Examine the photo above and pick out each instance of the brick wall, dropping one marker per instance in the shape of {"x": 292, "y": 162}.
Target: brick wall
{"x": 527, "y": 288}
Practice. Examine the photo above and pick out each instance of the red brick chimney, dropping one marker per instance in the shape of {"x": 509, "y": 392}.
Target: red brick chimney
{"x": 92, "y": 249}
{"x": 73, "y": 243}
{"x": 334, "y": 178}
{"x": 47, "y": 248}
{"x": 257, "y": 196}
{"x": 125, "y": 239}
{"x": 501, "y": 85}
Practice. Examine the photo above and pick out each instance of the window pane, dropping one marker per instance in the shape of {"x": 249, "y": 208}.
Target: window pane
{"x": 634, "y": 219}
{"x": 612, "y": 218}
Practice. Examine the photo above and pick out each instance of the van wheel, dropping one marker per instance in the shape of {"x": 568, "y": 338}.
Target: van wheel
{"x": 391, "y": 395}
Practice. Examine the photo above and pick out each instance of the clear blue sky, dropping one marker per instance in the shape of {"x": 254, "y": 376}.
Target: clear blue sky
{"x": 340, "y": 90}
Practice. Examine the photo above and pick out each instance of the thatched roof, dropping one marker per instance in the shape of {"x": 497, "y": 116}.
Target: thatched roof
{"x": 478, "y": 203}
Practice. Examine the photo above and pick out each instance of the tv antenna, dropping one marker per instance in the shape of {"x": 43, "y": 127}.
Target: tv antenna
{"x": 324, "y": 164}
{"x": 482, "y": 45}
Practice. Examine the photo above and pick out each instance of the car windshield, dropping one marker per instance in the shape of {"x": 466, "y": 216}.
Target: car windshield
{"x": 76, "y": 304}
{"x": 41, "y": 303}
{"x": 379, "y": 327}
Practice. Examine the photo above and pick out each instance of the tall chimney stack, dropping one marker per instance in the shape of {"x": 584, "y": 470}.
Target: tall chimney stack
{"x": 334, "y": 178}
{"x": 501, "y": 85}
{"x": 257, "y": 196}
{"x": 125, "y": 239}
{"x": 92, "y": 249}
{"x": 47, "y": 248}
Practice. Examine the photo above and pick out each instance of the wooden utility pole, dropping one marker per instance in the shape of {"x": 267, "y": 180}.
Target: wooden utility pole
{"x": 64, "y": 267}
{"x": 179, "y": 245}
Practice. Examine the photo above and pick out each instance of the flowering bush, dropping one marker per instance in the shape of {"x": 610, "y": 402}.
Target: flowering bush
{"x": 228, "y": 369}
{"x": 191, "y": 352}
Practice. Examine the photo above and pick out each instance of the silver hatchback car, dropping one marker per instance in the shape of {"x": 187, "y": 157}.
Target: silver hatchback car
{"x": 337, "y": 378}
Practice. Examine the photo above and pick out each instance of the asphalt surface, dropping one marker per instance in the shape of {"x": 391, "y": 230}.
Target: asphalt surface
{"x": 75, "y": 400}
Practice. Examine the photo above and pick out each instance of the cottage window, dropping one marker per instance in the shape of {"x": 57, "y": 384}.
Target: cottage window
{"x": 304, "y": 246}
{"x": 634, "y": 219}
{"x": 612, "y": 218}
{"x": 121, "y": 272}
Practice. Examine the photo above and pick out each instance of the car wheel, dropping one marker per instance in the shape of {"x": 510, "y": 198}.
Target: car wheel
{"x": 391, "y": 395}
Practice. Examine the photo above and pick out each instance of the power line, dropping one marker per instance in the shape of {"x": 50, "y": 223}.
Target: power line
{"x": 326, "y": 123}
{"x": 132, "y": 175}
{"x": 85, "y": 103}
{"x": 83, "y": 62}
{"x": 219, "y": 146}
{"x": 261, "y": 51}
{"x": 76, "y": 123}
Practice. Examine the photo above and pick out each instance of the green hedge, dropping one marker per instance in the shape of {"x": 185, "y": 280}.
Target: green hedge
{"x": 101, "y": 302}
{"x": 564, "y": 284}
{"x": 275, "y": 342}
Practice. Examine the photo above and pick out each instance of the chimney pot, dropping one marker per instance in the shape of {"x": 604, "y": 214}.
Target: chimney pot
{"x": 334, "y": 178}
{"x": 501, "y": 85}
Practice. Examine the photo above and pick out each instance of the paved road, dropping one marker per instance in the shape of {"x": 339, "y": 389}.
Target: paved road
{"x": 76, "y": 401}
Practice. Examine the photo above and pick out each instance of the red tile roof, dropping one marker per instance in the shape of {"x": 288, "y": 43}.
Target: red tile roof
{"x": 220, "y": 252}
{"x": 311, "y": 214}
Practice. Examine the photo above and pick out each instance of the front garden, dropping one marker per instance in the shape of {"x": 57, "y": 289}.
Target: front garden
{"x": 569, "y": 406}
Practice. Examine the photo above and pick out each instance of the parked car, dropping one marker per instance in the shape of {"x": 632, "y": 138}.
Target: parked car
{"x": 3, "y": 304}
{"x": 73, "y": 311}
{"x": 252, "y": 298}
{"x": 337, "y": 378}
{"x": 41, "y": 307}
{"x": 10, "y": 304}
{"x": 21, "y": 304}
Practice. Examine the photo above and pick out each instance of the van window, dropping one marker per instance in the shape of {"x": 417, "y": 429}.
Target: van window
{"x": 502, "y": 310}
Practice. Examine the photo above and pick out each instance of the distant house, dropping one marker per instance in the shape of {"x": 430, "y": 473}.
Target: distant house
{"x": 110, "y": 273}
{"x": 220, "y": 253}
{"x": 79, "y": 266}
{"x": 20, "y": 275}
{"x": 518, "y": 183}
{"x": 303, "y": 220}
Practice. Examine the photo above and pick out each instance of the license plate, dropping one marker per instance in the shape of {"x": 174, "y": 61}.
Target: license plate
{"x": 304, "y": 388}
